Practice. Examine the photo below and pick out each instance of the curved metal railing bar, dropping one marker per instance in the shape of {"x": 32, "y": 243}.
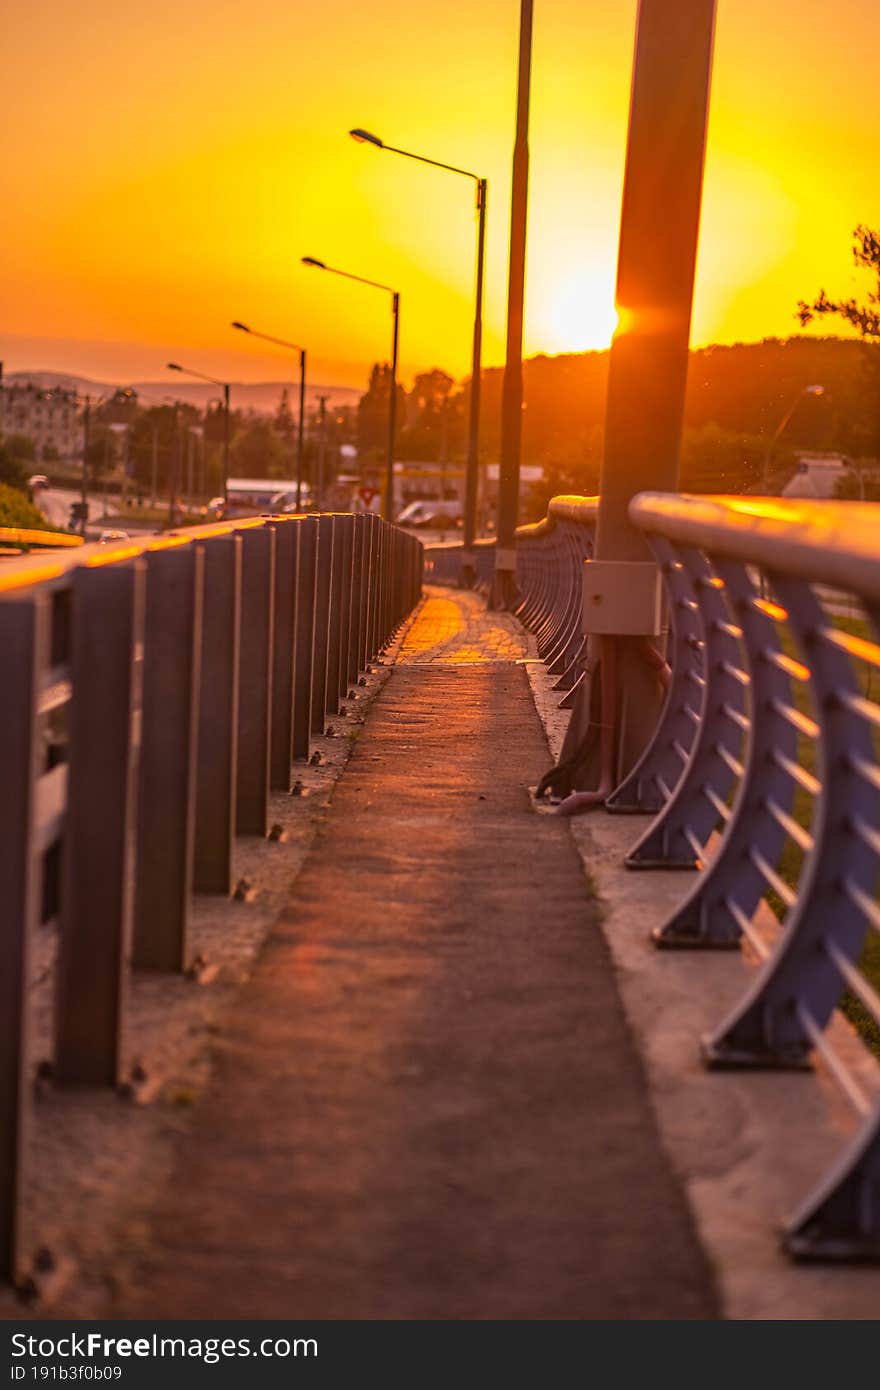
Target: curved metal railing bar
{"x": 800, "y": 824}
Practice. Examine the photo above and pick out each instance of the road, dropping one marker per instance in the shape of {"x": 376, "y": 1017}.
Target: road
{"x": 55, "y": 504}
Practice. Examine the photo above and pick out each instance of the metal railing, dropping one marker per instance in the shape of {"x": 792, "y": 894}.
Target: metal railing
{"x": 763, "y": 775}
{"x": 769, "y": 741}
{"x": 152, "y": 695}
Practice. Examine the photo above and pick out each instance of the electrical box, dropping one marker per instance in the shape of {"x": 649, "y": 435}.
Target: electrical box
{"x": 623, "y": 598}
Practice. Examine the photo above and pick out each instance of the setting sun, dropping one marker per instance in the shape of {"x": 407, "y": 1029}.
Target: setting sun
{"x": 579, "y": 314}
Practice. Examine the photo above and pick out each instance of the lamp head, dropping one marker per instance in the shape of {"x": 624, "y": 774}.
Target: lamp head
{"x": 174, "y": 366}
{"x": 243, "y": 326}
{"x": 364, "y": 137}
{"x": 310, "y": 260}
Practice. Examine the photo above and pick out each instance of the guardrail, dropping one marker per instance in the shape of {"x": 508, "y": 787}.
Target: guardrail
{"x": 763, "y": 775}
{"x": 769, "y": 740}
{"x": 27, "y": 538}
{"x": 153, "y": 693}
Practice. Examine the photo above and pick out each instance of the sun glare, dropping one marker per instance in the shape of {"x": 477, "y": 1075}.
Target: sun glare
{"x": 580, "y": 314}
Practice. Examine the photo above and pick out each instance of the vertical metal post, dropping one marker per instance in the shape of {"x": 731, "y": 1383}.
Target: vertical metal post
{"x": 504, "y": 588}
{"x": 281, "y": 758}
{"x": 255, "y": 681}
{"x": 373, "y": 614}
{"x": 304, "y": 638}
{"x": 646, "y": 383}
{"x": 335, "y": 618}
{"x": 472, "y": 471}
{"x": 318, "y": 499}
{"x": 24, "y": 639}
{"x": 225, "y": 443}
{"x": 154, "y": 470}
{"x": 217, "y": 741}
{"x": 655, "y": 275}
{"x": 322, "y": 621}
{"x": 345, "y": 524}
{"x": 166, "y": 804}
{"x": 388, "y": 499}
{"x": 357, "y": 599}
{"x": 94, "y": 944}
{"x": 84, "y": 476}
{"x": 301, "y": 428}
{"x": 655, "y": 280}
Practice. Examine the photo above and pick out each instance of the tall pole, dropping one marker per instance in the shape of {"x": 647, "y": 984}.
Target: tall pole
{"x": 504, "y": 590}
{"x": 662, "y": 194}
{"x": 388, "y": 504}
{"x": 225, "y": 444}
{"x": 300, "y": 433}
{"x": 472, "y": 469}
{"x": 176, "y": 456}
{"x": 322, "y": 451}
{"x": 154, "y": 478}
{"x": 84, "y": 480}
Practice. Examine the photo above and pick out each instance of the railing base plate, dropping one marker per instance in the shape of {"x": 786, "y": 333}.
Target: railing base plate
{"x": 718, "y": 1057}
{"x": 666, "y": 940}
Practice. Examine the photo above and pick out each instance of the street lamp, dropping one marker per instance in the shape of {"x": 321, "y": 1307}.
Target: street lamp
{"x": 224, "y": 386}
{"x": 503, "y": 593}
{"x": 280, "y": 342}
{"x": 388, "y": 498}
{"x": 468, "y": 574}
{"x": 782, "y": 426}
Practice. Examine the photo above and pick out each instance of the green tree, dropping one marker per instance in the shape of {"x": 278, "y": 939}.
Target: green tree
{"x": 16, "y": 510}
{"x": 17, "y": 457}
{"x": 285, "y": 425}
{"x": 864, "y": 317}
{"x": 257, "y": 452}
{"x": 372, "y": 420}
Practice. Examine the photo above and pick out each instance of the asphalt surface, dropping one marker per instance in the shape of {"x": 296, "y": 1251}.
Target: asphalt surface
{"x": 426, "y": 1100}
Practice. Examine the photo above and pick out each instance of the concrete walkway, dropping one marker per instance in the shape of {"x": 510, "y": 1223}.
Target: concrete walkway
{"x": 426, "y": 1103}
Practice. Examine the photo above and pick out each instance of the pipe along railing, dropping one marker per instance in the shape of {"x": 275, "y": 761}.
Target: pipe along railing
{"x": 763, "y": 775}
{"x": 152, "y": 695}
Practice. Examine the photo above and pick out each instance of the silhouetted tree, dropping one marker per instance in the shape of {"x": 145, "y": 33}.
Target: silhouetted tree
{"x": 258, "y": 452}
{"x": 864, "y": 317}
{"x": 17, "y": 455}
{"x": 372, "y": 421}
{"x": 285, "y": 425}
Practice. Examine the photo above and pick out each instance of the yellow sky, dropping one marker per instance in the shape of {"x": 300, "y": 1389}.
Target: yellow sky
{"x": 166, "y": 166}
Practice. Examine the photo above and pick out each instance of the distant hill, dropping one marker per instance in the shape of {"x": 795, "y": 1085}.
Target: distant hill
{"x": 259, "y": 396}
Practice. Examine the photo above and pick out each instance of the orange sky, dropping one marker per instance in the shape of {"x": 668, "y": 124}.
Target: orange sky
{"x": 166, "y": 165}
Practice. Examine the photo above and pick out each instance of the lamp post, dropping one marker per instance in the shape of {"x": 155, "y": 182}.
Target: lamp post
{"x": 388, "y": 494}
{"x": 86, "y": 402}
{"x": 84, "y": 477}
{"x": 224, "y": 386}
{"x": 281, "y": 342}
{"x": 504, "y": 588}
{"x": 468, "y": 572}
{"x": 780, "y": 430}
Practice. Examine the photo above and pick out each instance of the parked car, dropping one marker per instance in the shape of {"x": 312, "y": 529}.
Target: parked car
{"x": 107, "y": 537}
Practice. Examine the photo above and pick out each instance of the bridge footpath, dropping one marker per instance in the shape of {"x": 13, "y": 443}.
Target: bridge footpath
{"x": 426, "y": 1102}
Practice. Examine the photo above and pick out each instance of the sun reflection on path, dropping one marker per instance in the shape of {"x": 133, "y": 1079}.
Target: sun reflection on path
{"x": 455, "y": 626}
